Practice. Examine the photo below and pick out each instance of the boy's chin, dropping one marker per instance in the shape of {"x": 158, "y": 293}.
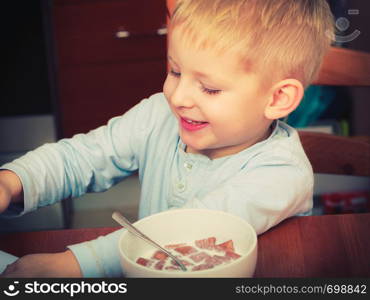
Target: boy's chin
{"x": 197, "y": 145}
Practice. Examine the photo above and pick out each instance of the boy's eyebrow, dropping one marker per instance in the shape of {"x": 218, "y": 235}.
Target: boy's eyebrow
{"x": 197, "y": 73}
{"x": 171, "y": 59}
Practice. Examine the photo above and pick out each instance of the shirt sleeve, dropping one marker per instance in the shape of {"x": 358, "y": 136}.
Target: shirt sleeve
{"x": 99, "y": 257}
{"x": 263, "y": 196}
{"x": 90, "y": 162}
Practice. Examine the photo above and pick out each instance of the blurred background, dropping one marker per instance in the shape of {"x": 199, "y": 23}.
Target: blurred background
{"x": 71, "y": 65}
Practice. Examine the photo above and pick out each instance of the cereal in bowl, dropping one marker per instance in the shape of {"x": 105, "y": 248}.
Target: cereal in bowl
{"x": 200, "y": 255}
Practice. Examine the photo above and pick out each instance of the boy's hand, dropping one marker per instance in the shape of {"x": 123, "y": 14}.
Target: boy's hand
{"x": 11, "y": 189}
{"x": 62, "y": 264}
{"x": 5, "y": 197}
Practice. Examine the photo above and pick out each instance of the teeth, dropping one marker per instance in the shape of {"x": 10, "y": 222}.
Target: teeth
{"x": 193, "y": 122}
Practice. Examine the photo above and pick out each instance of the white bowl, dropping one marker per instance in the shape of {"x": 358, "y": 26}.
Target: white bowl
{"x": 184, "y": 226}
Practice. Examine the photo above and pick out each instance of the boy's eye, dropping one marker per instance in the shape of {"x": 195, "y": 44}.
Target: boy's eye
{"x": 210, "y": 91}
{"x": 174, "y": 73}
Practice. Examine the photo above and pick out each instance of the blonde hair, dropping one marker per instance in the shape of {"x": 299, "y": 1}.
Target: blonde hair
{"x": 276, "y": 38}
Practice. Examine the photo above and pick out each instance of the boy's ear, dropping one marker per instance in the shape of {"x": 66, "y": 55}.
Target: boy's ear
{"x": 285, "y": 96}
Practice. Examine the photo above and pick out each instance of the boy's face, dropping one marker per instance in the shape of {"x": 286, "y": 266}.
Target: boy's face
{"x": 217, "y": 103}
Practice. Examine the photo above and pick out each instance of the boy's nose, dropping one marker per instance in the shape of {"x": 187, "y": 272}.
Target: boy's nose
{"x": 181, "y": 96}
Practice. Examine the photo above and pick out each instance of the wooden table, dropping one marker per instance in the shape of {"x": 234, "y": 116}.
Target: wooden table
{"x": 315, "y": 246}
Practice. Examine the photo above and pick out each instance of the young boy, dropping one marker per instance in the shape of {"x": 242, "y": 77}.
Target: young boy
{"x": 212, "y": 140}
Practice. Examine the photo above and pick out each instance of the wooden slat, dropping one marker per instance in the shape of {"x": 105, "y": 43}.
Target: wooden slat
{"x": 339, "y": 155}
{"x": 345, "y": 67}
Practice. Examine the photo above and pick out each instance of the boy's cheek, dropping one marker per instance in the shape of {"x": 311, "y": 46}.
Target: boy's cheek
{"x": 167, "y": 90}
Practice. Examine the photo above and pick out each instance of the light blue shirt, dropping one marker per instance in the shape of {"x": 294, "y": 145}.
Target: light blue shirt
{"x": 264, "y": 184}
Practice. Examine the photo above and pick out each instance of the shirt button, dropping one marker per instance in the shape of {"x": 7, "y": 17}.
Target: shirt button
{"x": 188, "y": 166}
{"x": 180, "y": 187}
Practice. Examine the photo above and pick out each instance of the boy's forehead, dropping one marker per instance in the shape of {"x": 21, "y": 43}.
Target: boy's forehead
{"x": 198, "y": 45}
{"x": 196, "y": 38}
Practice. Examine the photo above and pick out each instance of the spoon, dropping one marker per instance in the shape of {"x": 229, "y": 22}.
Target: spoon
{"x": 131, "y": 228}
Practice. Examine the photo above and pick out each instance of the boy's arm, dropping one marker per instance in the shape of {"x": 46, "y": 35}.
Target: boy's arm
{"x": 99, "y": 257}
{"x": 90, "y": 162}
{"x": 69, "y": 168}
{"x": 55, "y": 171}
{"x": 63, "y": 264}
{"x": 95, "y": 258}
{"x": 11, "y": 190}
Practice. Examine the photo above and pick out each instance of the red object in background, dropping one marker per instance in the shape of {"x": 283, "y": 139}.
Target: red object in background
{"x": 342, "y": 203}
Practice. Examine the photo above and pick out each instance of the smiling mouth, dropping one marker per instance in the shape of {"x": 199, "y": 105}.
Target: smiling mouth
{"x": 192, "y": 125}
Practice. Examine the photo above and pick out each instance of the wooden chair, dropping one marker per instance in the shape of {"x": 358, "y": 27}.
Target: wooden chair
{"x": 333, "y": 154}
